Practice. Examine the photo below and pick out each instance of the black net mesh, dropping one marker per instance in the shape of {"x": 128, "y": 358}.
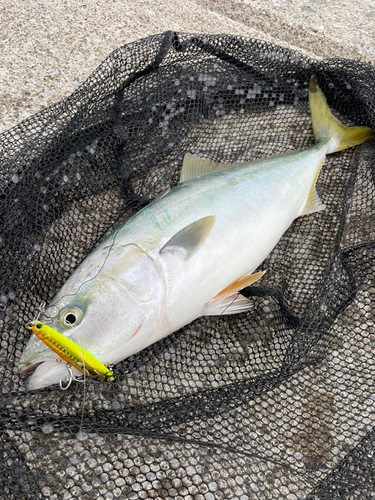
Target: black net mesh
{"x": 274, "y": 403}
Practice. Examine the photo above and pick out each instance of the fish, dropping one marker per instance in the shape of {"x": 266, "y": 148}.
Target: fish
{"x": 188, "y": 253}
{"x": 73, "y": 354}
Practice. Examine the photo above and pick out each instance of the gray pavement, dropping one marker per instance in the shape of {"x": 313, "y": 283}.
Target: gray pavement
{"x": 47, "y": 49}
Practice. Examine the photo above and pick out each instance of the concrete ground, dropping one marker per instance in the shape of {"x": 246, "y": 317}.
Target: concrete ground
{"x": 47, "y": 48}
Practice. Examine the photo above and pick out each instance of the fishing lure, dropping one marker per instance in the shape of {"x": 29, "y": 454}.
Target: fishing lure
{"x": 71, "y": 352}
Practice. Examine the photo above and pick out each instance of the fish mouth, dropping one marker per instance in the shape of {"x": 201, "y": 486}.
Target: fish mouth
{"x": 27, "y": 368}
{"x": 30, "y": 363}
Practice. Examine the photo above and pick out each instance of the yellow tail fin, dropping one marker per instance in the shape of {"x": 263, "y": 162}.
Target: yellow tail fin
{"x": 327, "y": 128}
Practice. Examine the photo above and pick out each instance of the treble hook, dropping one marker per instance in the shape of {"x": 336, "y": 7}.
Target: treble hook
{"x": 39, "y": 311}
{"x": 71, "y": 375}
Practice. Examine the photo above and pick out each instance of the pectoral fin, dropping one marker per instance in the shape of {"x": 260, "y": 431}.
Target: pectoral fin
{"x": 237, "y": 285}
{"x": 188, "y": 240}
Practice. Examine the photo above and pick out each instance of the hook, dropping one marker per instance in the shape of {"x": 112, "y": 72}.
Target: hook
{"x": 39, "y": 311}
{"x": 71, "y": 375}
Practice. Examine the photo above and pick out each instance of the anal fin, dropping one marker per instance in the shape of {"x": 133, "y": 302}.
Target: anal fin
{"x": 313, "y": 203}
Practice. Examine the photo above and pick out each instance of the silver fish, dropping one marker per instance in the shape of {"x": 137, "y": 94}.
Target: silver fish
{"x": 188, "y": 253}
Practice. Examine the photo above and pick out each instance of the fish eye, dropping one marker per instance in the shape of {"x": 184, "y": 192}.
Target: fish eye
{"x": 71, "y": 317}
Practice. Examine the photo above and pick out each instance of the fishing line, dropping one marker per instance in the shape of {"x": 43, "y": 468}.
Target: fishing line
{"x": 90, "y": 279}
{"x": 43, "y": 303}
{"x": 235, "y": 298}
{"x": 84, "y": 380}
{"x": 99, "y": 271}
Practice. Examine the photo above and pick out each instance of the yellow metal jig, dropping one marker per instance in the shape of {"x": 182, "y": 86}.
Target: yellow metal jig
{"x": 71, "y": 352}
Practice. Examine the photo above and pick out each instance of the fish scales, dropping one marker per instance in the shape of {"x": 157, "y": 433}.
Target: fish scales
{"x": 189, "y": 252}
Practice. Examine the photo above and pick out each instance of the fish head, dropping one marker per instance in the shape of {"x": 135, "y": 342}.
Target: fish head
{"x": 111, "y": 314}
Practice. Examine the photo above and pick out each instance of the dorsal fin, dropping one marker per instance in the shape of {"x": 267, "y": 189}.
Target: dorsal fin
{"x": 194, "y": 167}
{"x": 286, "y": 153}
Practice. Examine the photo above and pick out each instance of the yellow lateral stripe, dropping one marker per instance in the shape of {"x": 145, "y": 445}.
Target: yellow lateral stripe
{"x": 71, "y": 352}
